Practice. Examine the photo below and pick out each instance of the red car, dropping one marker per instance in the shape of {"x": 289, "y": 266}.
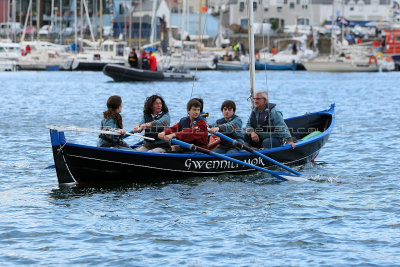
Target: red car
{"x": 30, "y": 30}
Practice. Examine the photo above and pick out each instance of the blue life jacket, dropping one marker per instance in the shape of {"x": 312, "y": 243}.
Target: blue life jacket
{"x": 263, "y": 122}
{"x": 153, "y": 131}
{"x": 185, "y": 122}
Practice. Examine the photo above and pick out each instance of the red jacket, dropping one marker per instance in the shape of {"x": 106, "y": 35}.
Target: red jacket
{"x": 197, "y": 134}
{"x": 153, "y": 62}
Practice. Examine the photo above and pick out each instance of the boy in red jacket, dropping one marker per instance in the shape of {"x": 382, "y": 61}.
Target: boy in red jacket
{"x": 191, "y": 129}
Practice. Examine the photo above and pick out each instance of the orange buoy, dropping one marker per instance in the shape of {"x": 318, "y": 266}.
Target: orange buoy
{"x": 373, "y": 58}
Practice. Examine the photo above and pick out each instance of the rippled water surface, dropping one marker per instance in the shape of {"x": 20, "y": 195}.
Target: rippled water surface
{"x": 349, "y": 215}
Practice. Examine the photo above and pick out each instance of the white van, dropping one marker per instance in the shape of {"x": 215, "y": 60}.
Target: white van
{"x": 10, "y": 28}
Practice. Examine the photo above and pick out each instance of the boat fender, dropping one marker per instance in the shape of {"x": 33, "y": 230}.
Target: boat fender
{"x": 308, "y": 136}
{"x": 389, "y": 59}
{"x": 373, "y": 58}
{"x": 379, "y": 55}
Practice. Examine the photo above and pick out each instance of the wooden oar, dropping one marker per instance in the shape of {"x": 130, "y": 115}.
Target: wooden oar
{"x": 87, "y": 130}
{"x": 243, "y": 146}
{"x": 280, "y": 175}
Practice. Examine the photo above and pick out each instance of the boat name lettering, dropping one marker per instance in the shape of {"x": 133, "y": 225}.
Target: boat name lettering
{"x": 219, "y": 164}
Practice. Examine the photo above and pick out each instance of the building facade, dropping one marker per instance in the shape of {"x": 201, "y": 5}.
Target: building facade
{"x": 308, "y": 12}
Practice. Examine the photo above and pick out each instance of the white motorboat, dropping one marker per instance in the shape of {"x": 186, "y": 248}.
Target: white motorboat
{"x": 41, "y": 55}
{"x": 349, "y": 64}
{"x": 9, "y": 55}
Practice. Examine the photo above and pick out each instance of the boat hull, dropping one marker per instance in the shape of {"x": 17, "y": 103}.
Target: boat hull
{"x": 331, "y": 66}
{"x": 232, "y": 66}
{"x": 87, "y": 164}
{"x": 274, "y": 66}
{"x": 128, "y": 74}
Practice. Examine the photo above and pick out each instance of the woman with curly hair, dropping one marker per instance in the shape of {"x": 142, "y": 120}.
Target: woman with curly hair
{"x": 155, "y": 120}
{"x": 112, "y": 120}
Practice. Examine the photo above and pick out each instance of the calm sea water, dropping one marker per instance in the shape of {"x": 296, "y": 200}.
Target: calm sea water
{"x": 348, "y": 216}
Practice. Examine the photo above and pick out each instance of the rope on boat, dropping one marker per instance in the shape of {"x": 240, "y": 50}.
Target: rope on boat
{"x": 88, "y": 130}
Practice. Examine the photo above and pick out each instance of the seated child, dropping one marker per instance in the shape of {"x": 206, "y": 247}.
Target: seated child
{"x": 191, "y": 129}
{"x": 230, "y": 125}
{"x": 112, "y": 120}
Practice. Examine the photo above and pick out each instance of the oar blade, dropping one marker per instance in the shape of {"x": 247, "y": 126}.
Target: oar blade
{"x": 290, "y": 177}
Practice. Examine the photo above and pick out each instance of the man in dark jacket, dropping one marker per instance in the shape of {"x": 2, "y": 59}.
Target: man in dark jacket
{"x": 133, "y": 59}
{"x": 266, "y": 127}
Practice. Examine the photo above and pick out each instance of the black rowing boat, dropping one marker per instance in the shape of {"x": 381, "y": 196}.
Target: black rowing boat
{"x": 76, "y": 163}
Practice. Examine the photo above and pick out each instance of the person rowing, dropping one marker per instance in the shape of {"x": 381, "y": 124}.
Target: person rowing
{"x": 191, "y": 129}
{"x": 154, "y": 120}
{"x": 112, "y": 119}
{"x": 266, "y": 127}
{"x": 230, "y": 125}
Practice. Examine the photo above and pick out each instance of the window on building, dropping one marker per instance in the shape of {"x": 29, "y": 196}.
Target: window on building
{"x": 303, "y": 21}
{"x": 265, "y": 4}
{"x": 360, "y": 5}
{"x": 241, "y": 6}
{"x": 291, "y": 5}
{"x": 279, "y": 4}
{"x": 351, "y": 5}
{"x": 244, "y": 22}
{"x": 285, "y": 2}
{"x": 254, "y": 5}
{"x": 121, "y": 9}
{"x": 297, "y": 2}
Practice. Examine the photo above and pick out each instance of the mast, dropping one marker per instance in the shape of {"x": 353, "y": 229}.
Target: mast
{"x": 26, "y": 20}
{"x": 76, "y": 24}
{"x": 130, "y": 25}
{"x": 101, "y": 21}
{"x": 88, "y": 21}
{"x": 183, "y": 20}
{"x": 140, "y": 24}
{"x": 52, "y": 15}
{"x": 37, "y": 19}
{"x": 81, "y": 27}
{"x": 251, "y": 50}
{"x": 333, "y": 16}
{"x": 61, "y": 15}
{"x": 199, "y": 38}
{"x": 154, "y": 22}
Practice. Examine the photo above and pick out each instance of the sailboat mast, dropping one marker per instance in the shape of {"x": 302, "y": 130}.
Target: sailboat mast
{"x": 28, "y": 13}
{"x": 332, "y": 29}
{"x": 250, "y": 16}
{"x": 37, "y": 18}
{"x": 154, "y": 23}
{"x": 76, "y": 26}
{"x": 101, "y": 21}
{"x": 183, "y": 19}
{"x": 199, "y": 35}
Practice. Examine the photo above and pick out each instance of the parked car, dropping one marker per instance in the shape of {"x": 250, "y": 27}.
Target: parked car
{"x": 30, "y": 30}
{"x": 48, "y": 30}
{"x": 10, "y": 28}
